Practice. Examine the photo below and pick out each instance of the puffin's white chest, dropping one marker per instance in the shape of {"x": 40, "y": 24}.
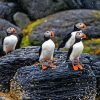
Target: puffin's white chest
{"x": 9, "y": 43}
{"x": 70, "y": 42}
{"x": 77, "y": 50}
{"x": 47, "y": 50}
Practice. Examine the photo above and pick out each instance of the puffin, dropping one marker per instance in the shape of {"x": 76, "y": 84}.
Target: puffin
{"x": 46, "y": 50}
{"x": 9, "y": 32}
{"x": 69, "y": 40}
{"x": 10, "y": 41}
{"x": 75, "y": 50}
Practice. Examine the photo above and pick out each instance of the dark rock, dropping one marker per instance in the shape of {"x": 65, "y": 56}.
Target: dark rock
{"x": 11, "y": 62}
{"x": 95, "y": 66}
{"x": 21, "y": 19}
{"x": 11, "y": 1}
{"x": 3, "y": 27}
{"x": 7, "y": 10}
{"x": 2, "y": 0}
{"x": 61, "y": 83}
{"x": 26, "y": 57}
{"x": 88, "y": 4}
{"x": 62, "y": 23}
{"x": 37, "y": 9}
{"x": 96, "y": 70}
{"x": 98, "y": 4}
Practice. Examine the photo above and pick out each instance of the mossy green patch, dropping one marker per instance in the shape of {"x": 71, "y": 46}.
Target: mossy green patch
{"x": 27, "y": 30}
{"x": 96, "y": 14}
{"x": 92, "y": 46}
{"x": 25, "y": 41}
{"x": 36, "y": 42}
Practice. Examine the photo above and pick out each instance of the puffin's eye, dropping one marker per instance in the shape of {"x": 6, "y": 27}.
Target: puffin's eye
{"x": 47, "y": 31}
{"x": 78, "y": 33}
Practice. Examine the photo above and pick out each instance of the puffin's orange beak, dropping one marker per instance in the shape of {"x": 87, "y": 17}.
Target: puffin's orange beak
{"x": 14, "y": 30}
{"x": 52, "y": 34}
{"x": 84, "y": 26}
{"x": 84, "y": 36}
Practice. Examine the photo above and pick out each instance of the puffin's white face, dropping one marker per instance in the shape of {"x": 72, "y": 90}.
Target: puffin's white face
{"x": 80, "y": 35}
{"x": 81, "y": 26}
{"x": 11, "y": 30}
{"x": 49, "y": 34}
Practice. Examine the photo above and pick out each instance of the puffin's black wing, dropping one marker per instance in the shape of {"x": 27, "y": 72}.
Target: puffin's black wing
{"x": 69, "y": 52}
{"x": 62, "y": 44}
{"x": 20, "y": 36}
{"x": 2, "y": 53}
{"x": 40, "y": 51}
{"x": 39, "y": 54}
{"x": 2, "y": 40}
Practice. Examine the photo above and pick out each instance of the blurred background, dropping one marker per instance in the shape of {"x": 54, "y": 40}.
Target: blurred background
{"x": 32, "y": 18}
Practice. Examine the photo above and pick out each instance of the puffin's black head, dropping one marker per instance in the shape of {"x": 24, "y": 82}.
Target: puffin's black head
{"x": 48, "y": 35}
{"x": 11, "y": 31}
{"x": 79, "y": 26}
{"x": 79, "y": 36}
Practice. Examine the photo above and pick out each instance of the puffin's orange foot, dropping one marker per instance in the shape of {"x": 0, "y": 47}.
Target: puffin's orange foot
{"x": 44, "y": 67}
{"x": 80, "y": 66}
{"x": 75, "y": 67}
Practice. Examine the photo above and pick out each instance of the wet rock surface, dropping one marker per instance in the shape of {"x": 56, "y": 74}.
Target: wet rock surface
{"x": 55, "y": 84}
{"x": 95, "y": 66}
{"x": 59, "y": 84}
{"x": 7, "y": 10}
{"x": 90, "y": 4}
{"x": 62, "y": 23}
{"x": 11, "y": 62}
{"x": 30, "y": 80}
{"x": 98, "y": 4}
{"x": 3, "y": 27}
{"x": 96, "y": 70}
{"x": 37, "y": 9}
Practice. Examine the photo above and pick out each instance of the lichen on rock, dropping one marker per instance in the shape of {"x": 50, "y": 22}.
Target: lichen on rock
{"x": 28, "y": 30}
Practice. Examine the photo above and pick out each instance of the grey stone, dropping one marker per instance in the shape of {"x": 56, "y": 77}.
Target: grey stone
{"x": 37, "y": 9}
{"x": 95, "y": 66}
{"x": 88, "y": 4}
{"x": 96, "y": 69}
{"x": 21, "y": 19}
{"x": 62, "y": 23}
{"x": 98, "y": 4}
{"x": 11, "y": 62}
{"x": 7, "y": 10}
{"x": 61, "y": 83}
